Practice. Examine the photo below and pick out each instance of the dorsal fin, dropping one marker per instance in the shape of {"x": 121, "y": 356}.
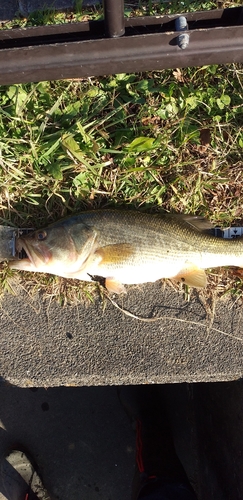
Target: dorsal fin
{"x": 199, "y": 223}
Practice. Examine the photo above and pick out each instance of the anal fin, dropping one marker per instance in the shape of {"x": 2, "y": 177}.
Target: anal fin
{"x": 114, "y": 286}
{"x": 193, "y": 276}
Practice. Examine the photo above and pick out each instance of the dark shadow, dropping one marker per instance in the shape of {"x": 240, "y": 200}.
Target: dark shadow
{"x": 84, "y": 444}
{"x": 80, "y": 438}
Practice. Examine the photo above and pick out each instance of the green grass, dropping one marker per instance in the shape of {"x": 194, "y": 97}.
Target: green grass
{"x": 164, "y": 140}
{"x": 132, "y": 8}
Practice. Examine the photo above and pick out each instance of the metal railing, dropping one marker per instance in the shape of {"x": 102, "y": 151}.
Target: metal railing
{"x": 120, "y": 45}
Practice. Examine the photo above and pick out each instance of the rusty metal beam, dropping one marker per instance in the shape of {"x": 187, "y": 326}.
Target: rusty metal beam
{"x": 149, "y": 43}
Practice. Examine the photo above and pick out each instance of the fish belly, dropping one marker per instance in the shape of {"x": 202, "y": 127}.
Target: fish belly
{"x": 129, "y": 273}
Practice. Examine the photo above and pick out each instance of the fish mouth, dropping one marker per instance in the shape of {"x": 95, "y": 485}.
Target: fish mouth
{"x": 29, "y": 252}
{"x": 21, "y": 253}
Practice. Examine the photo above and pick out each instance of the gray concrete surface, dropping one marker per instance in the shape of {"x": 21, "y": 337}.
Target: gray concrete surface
{"x": 26, "y": 7}
{"x": 9, "y": 9}
{"x": 44, "y": 344}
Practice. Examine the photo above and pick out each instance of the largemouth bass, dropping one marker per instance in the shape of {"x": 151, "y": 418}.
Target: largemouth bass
{"x": 127, "y": 247}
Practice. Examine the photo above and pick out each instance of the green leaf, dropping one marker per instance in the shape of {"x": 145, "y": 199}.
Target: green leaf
{"x": 72, "y": 109}
{"x": 129, "y": 161}
{"x": 225, "y": 99}
{"x": 171, "y": 109}
{"x": 80, "y": 179}
{"x": 55, "y": 170}
{"x": 86, "y": 138}
{"x": 217, "y": 118}
{"x": 45, "y": 156}
{"x": 94, "y": 92}
{"x": 143, "y": 85}
{"x": 80, "y": 182}
{"x": 43, "y": 87}
{"x": 241, "y": 142}
{"x": 21, "y": 98}
{"x": 11, "y": 92}
{"x": 69, "y": 143}
{"x": 141, "y": 144}
{"x": 220, "y": 104}
{"x": 124, "y": 77}
{"x": 162, "y": 113}
{"x": 191, "y": 102}
{"x": 212, "y": 69}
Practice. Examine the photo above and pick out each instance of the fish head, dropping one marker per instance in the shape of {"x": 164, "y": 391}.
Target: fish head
{"x": 55, "y": 248}
{"x": 45, "y": 246}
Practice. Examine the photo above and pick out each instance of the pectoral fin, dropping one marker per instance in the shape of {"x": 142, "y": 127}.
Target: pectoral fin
{"x": 114, "y": 286}
{"x": 193, "y": 276}
{"x": 114, "y": 254}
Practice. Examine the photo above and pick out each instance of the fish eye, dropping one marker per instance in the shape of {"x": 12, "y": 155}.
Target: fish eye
{"x": 41, "y": 235}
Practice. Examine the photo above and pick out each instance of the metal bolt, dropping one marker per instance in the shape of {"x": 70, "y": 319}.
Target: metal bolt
{"x": 183, "y": 38}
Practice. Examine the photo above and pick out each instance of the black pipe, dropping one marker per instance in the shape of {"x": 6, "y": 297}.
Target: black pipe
{"x": 114, "y": 18}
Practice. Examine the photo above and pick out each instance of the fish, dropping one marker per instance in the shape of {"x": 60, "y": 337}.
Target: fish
{"x": 127, "y": 248}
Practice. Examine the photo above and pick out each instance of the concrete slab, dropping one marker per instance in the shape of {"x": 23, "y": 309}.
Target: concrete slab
{"x": 43, "y": 344}
{"x": 26, "y": 7}
{"x": 8, "y": 9}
